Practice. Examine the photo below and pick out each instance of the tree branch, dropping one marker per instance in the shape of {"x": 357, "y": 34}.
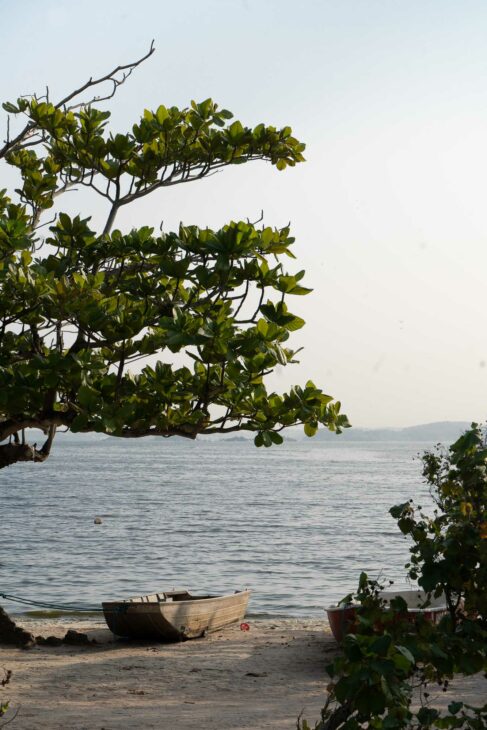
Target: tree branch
{"x": 126, "y": 70}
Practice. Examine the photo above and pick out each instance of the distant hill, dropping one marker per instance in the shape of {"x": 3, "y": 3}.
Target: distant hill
{"x": 438, "y": 432}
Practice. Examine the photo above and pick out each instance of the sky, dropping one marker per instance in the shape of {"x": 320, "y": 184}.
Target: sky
{"x": 390, "y": 98}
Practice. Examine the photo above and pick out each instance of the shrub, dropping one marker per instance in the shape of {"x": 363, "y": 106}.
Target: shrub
{"x": 388, "y": 655}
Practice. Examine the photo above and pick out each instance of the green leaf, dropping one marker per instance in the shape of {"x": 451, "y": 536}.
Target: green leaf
{"x": 235, "y": 130}
{"x": 10, "y": 108}
{"x": 310, "y": 429}
{"x": 161, "y": 114}
{"x": 276, "y": 438}
{"x": 381, "y": 644}
{"x": 371, "y": 701}
{"x": 300, "y": 290}
{"x": 87, "y": 396}
{"x": 406, "y": 653}
{"x": 455, "y": 707}
{"x": 295, "y": 324}
{"x": 427, "y": 716}
{"x": 26, "y": 257}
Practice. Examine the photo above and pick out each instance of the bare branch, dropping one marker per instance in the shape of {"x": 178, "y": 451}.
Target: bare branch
{"x": 259, "y": 219}
{"x": 126, "y": 71}
{"x": 252, "y": 319}
{"x": 31, "y": 128}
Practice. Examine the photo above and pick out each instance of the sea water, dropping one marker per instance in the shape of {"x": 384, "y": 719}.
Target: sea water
{"x": 296, "y": 523}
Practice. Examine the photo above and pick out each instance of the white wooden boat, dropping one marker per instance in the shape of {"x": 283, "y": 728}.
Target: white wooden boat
{"x": 174, "y": 615}
{"x": 415, "y": 601}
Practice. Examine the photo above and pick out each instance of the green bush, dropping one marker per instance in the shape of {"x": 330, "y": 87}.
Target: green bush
{"x": 388, "y": 654}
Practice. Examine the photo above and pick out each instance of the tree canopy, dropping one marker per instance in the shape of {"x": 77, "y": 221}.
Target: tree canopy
{"x": 141, "y": 332}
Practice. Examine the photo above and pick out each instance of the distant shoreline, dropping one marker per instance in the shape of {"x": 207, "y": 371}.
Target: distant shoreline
{"x": 435, "y": 432}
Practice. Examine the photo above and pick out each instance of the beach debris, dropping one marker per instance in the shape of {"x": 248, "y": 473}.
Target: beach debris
{"x": 256, "y": 674}
{"x": 75, "y": 637}
{"x": 49, "y": 641}
{"x": 244, "y": 627}
{"x": 15, "y": 635}
{"x": 98, "y": 521}
{"x": 10, "y": 633}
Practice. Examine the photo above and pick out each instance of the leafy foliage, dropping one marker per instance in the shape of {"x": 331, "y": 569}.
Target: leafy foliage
{"x": 205, "y": 309}
{"x": 449, "y": 551}
{"x": 389, "y": 651}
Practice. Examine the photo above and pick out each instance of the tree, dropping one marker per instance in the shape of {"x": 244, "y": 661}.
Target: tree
{"x": 79, "y": 307}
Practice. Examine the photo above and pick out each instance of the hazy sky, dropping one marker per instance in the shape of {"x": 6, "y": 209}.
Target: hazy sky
{"x": 389, "y": 211}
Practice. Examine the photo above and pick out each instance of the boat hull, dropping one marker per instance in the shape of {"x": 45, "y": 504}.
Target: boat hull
{"x": 176, "y": 620}
{"x": 343, "y": 619}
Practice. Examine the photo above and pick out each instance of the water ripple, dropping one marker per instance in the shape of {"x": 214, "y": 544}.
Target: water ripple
{"x": 296, "y": 524}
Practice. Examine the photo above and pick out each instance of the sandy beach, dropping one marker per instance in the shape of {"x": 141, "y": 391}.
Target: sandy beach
{"x": 231, "y": 680}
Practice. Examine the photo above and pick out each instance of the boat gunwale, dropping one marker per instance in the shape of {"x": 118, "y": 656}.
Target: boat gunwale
{"x": 130, "y": 602}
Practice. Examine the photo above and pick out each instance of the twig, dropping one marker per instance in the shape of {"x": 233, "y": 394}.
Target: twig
{"x": 31, "y": 128}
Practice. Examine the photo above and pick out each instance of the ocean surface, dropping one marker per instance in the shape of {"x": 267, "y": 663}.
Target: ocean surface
{"x": 296, "y": 524}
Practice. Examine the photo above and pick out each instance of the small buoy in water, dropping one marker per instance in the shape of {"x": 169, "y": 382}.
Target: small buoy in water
{"x": 98, "y": 521}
